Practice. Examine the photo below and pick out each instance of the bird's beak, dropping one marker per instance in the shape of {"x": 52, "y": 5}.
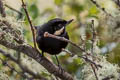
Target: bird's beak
{"x": 58, "y": 32}
{"x": 68, "y": 22}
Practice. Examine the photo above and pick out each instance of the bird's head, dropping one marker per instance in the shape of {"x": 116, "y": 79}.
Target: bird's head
{"x": 58, "y": 25}
{"x": 55, "y": 26}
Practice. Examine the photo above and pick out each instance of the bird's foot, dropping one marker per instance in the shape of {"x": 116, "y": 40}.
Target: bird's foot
{"x": 42, "y": 56}
{"x": 61, "y": 70}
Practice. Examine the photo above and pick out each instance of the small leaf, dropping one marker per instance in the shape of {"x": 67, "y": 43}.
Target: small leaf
{"x": 58, "y": 2}
{"x": 93, "y": 11}
{"x": 33, "y": 11}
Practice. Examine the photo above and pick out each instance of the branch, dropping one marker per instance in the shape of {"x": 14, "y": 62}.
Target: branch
{"x": 36, "y": 55}
{"x": 99, "y": 7}
{"x": 94, "y": 71}
{"x": 92, "y": 63}
{"x": 20, "y": 13}
{"x": 117, "y": 2}
{"x": 83, "y": 56}
{"x": 93, "y": 37}
{"x": 108, "y": 77}
{"x": 24, "y": 69}
{"x": 2, "y": 10}
{"x": 29, "y": 20}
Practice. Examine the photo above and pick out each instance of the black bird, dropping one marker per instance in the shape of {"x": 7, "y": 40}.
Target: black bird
{"x": 57, "y": 27}
{"x": 50, "y": 45}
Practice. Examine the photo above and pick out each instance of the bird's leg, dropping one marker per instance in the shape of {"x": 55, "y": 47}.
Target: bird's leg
{"x": 42, "y": 54}
{"x": 57, "y": 60}
{"x": 60, "y": 68}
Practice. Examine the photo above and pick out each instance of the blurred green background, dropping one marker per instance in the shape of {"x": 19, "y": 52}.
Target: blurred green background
{"x": 82, "y": 11}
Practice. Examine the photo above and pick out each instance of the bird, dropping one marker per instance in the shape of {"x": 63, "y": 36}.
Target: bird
{"x": 57, "y": 27}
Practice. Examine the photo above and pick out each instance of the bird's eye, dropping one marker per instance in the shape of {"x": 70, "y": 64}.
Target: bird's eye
{"x": 60, "y": 25}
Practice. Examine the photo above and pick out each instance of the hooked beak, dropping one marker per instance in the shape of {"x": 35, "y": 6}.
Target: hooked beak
{"x": 68, "y": 22}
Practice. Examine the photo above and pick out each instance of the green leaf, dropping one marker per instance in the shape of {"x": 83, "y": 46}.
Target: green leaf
{"x": 33, "y": 11}
{"x": 93, "y": 11}
{"x": 58, "y": 2}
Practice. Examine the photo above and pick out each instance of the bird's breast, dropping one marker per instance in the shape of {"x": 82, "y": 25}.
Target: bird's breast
{"x": 50, "y": 45}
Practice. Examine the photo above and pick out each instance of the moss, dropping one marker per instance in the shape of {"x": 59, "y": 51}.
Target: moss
{"x": 12, "y": 30}
{"x": 3, "y": 76}
{"x": 106, "y": 70}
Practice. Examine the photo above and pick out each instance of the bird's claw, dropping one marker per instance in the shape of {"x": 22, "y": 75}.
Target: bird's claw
{"x": 61, "y": 70}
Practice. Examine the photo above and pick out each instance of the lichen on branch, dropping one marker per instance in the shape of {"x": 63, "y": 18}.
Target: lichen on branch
{"x": 11, "y": 30}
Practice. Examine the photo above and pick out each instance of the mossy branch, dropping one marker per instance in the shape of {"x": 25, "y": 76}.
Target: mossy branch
{"x": 28, "y": 50}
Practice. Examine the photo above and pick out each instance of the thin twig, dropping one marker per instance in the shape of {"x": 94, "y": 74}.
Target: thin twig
{"x": 83, "y": 43}
{"x": 81, "y": 39}
{"x": 67, "y": 51}
{"x": 32, "y": 28}
{"x": 99, "y": 7}
{"x": 117, "y": 2}
{"x": 110, "y": 77}
{"x": 92, "y": 45}
{"x": 20, "y": 13}
{"x": 92, "y": 63}
{"x": 82, "y": 56}
{"x": 92, "y": 49}
{"x": 2, "y": 10}
{"x": 56, "y": 78}
{"x": 94, "y": 71}
{"x": 93, "y": 37}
